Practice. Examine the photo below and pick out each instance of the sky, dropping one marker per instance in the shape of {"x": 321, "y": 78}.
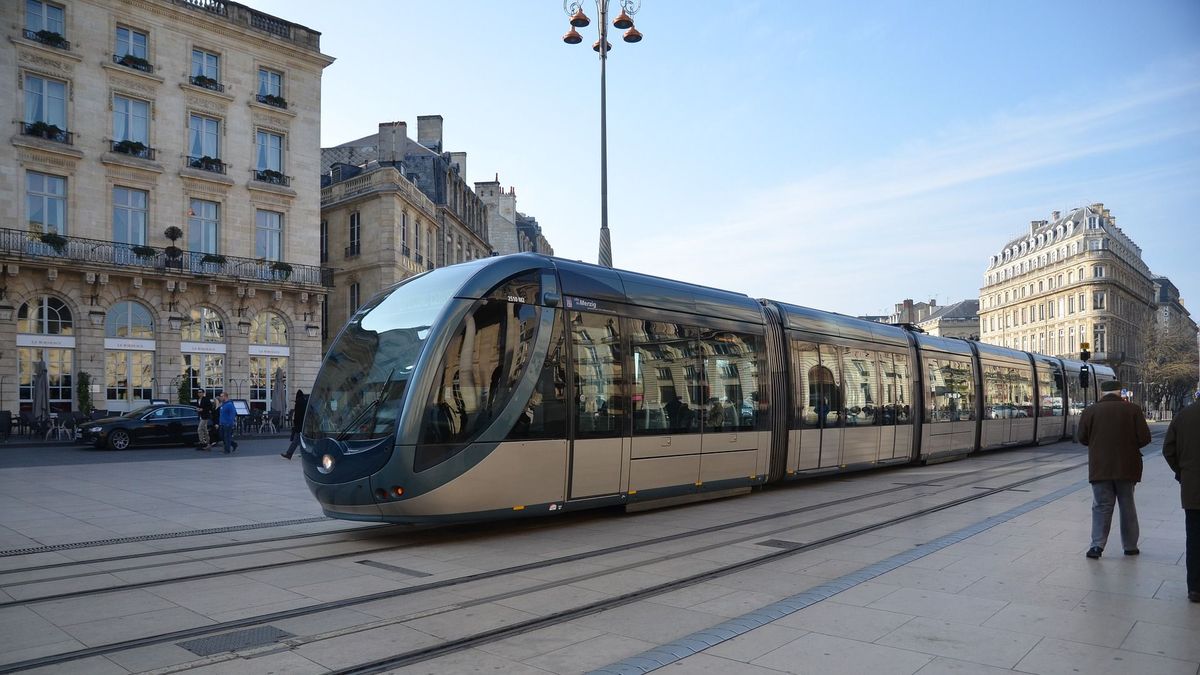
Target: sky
{"x": 839, "y": 155}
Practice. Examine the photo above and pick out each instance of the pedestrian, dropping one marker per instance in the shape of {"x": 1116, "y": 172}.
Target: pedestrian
{"x": 205, "y": 404}
{"x": 1181, "y": 449}
{"x": 1114, "y": 430}
{"x": 301, "y": 405}
{"x": 227, "y": 419}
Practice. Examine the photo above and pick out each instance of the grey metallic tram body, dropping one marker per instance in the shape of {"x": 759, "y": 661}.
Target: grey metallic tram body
{"x": 805, "y": 392}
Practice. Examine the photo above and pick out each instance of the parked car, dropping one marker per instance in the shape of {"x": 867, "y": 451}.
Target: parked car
{"x": 150, "y": 425}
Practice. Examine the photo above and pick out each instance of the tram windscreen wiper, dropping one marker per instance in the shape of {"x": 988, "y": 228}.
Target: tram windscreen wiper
{"x": 373, "y": 405}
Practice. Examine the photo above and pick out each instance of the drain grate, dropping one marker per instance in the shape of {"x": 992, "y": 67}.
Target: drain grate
{"x": 781, "y": 543}
{"x": 237, "y": 640}
{"x": 153, "y": 537}
{"x": 393, "y": 568}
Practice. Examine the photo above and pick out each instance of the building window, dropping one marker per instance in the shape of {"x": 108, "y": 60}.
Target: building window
{"x": 203, "y": 325}
{"x": 1098, "y": 271}
{"x": 129, "y": 320}
{"x": 404, "y": 234}
{"x": 131, "y": 125}
{"x": 324, "y": 241}
{"x": 268, "y": 328}
{"x": 129, "y": 216}
{"x": 417, "y": 242}
{"x": 353, "y": 249}
{"x": 1081, "y": 305}
{"x": 1098, "y": 335}
{"x": 270, "y": 88}
{"x": 132, "y": 43}
{"x": 46, "y": 102}
{"x": 268, "y": 234}
{"x": 204, "y": 143}
{"x": 1070, "y": 304}
{"x": 206, "y": 68}
{"x": 43, "y": 16}
{"x": 353, "y": 297}
{"x": 46, "y": 202}
{"x": 204, "y": 221}
{"x": 1098, "y": 300}
{"x": 268, "y": 165}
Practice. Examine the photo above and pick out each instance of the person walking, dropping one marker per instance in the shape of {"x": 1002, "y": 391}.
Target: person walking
{"x": 1114, "y": 430}
{"x": 300, "y": 406}
{"x": 227, "y": 419}
{"x": 1181, "y": 449}
{"x": 205, "y": 404}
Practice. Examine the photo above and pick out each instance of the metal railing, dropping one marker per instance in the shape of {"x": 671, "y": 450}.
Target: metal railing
{"x": 205, "y": 82}
{"x": 272, "y": 177}
{"x": 50, "y": 133}
{"x": 47, "y": 37}
{"x": 133, "y": 149}
{"x": 271, "y": 100}
{"x": 206, "y": 164}
{"x": 131, "y": 61}
{"x": 97, "y": 251}
{"x": 353, "y": 250}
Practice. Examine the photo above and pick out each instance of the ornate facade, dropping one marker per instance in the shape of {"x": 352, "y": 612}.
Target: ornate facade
{"x": 158, "y": 220}
{"x": 1076, "y": 278}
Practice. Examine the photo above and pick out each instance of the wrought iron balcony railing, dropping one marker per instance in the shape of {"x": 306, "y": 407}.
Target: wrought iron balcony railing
{"x": 34, "y": 245}
{"x": 133, "y": 149}
{"x": 353, "y": 250}
{"x": 206, "y": 82}
{"x": 271, "y": 100}
{"x": 48, "y": 132}
{"x": 272, "y": 177}
{"x": 48, "y": 37}
{"x": 135, "y": 62}
{"x": 206, "y": 164}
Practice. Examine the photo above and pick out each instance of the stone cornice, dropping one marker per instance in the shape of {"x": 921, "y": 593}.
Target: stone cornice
{"x": 134, "y": 72}
{"x": 271, "y": 188}
{"x": 253, "y": 103}
{"x": 131, "y": 162}
{"x": 205, "y": 176}
{"x": 46, "y": 49}
{"x": 44, "y": 146}
{"x": 189, "y": 87}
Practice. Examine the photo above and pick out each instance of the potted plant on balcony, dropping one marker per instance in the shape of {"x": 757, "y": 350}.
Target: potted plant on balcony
{"x": 213, "y": 259}
{"x": 271, "y": 176}
{"x": 135, "y": 62}
{"x": 54, "y": 240}
{"x": 43, "y": 129}
{"x": 281, "y": 269}
{"x": 52, "y": 38}
{"x": 128, "y": 147}
{"x": 143, "y": 252}
{"x": 204, "y": 81}
{"x": 273, "y": 100}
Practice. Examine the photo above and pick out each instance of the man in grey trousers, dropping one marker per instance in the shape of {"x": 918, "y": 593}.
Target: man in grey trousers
{"x": 1114, "y": 430}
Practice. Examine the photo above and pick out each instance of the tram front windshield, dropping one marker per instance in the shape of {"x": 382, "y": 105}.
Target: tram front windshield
{"x": 360, "y": 390}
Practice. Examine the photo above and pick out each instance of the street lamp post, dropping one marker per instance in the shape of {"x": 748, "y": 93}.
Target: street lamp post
{"x": 623, "y": 21}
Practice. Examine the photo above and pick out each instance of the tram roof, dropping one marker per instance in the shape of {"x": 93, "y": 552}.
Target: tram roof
{"x": 819, "y": 322}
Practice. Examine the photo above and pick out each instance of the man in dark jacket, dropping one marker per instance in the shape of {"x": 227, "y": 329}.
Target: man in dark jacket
{"x": 1114, "y": 431}
{"x": 298, "y": 409}
{"x": 205, "y": 405}
{"x": 1181, "y": 448}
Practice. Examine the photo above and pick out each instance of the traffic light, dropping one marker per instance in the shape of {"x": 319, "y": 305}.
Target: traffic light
{"x": 1084, "y": 373}
{"x": 1084, "y": 354}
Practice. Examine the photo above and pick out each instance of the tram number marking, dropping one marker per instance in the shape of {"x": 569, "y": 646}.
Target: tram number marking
{"x": 516, "y": 298}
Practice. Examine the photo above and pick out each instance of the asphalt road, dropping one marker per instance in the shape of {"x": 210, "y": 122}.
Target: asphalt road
{"x": 22, "y": 452}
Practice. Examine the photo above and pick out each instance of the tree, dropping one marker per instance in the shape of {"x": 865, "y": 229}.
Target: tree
{"x": 1168, "y": 364}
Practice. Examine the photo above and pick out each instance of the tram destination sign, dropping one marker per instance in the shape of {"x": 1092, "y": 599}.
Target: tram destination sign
{"x": 588, "y": 305}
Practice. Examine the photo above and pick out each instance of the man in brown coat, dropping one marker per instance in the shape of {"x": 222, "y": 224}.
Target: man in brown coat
{"x": 1114, "y": 431}
{"x": 1181, "y": 448}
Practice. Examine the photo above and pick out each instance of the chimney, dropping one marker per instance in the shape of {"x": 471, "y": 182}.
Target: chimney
{"x": 429, "y": 132}
{"x": 1033, "y": 226}
{"x": 460, "y": 158}
{"x": 392, "y": 142}
{"x": 1054, "y": 215}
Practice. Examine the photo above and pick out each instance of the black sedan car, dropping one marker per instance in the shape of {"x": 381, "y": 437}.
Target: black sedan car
{"x": 151, "y": 425}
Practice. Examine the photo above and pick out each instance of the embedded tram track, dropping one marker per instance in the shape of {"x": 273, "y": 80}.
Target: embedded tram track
{"x": 451, "y": 646}
{"x": 932, "y": 482}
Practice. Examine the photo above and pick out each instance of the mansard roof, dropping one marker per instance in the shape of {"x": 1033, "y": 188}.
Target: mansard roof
{"x": 964, "y": 309}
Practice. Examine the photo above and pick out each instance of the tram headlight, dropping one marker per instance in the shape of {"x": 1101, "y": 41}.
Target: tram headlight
{"x": 326, "y": 464}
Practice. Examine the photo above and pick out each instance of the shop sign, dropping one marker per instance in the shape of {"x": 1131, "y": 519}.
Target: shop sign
{"x": 202, "y": 347}
{"x": 49, "y": 341}
{"x": 269, "y": 350}
{"x": 129, "y": 344}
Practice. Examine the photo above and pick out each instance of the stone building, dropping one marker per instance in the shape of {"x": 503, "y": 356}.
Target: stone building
{"x": 510, "y": 231}
{"x": 959, "y": 319}
{"x": 158, "y": 220}
{"x": 1169, "y": 309}
{"x": 392, "y": 207}
{"x": 1076, "y": 278}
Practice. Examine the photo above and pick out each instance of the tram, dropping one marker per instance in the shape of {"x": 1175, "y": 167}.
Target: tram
{"x": 528, "y": 385}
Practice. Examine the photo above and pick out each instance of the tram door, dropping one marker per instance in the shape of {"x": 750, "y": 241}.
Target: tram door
{"x": 599, "y": 409}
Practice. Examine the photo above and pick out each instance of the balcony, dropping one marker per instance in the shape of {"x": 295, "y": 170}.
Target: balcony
{"x": 205, "y": 82}
{"x": 48, "y": 37}
{"x": 135, "y": 62}
{"x": 47, "y": 131}
{"x": 272, "y": 100}
{"x": 54, "y": 249}
{"x": 133, "y": 149}
{"x": 272, "y": 177}
{"x": 353, "y": 250}
{"x": 206, "y": 163}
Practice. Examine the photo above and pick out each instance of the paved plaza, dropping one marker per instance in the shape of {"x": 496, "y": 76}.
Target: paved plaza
{"x": 996, "y": 585}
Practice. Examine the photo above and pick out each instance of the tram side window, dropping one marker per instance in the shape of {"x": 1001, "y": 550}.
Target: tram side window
{"x": 482, "y": 365}
{"x": 862, "y": 387}
{"x": 825, "y": 388}
{"x": 1050, "y": 387}
{"x": 544, "y": 415}
{"x": 599, "y": 380}
{"x": 951, "y": 391}
{"x": 668, "y": 391}
{"x": 997, "y": 402}
{"x": 731, "y": 373}
{"x": 806, "y": 370}
{"x": 894, "y": 404}
{"x": 903, "y": 394}
{"x": 1022, "y": 392}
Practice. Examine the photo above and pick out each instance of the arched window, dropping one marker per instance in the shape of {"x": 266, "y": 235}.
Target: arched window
{"x": 268, "y": 328}
{"x": 45, "y": 316}
{"x": 129, "y": 320}
{"x": 824, "y": 392}
{"x": 203, "y": 325}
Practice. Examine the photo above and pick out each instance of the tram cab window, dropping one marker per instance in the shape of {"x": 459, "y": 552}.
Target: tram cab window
{"x": 599, "y": 380}
{"x": 668, "y": 392}
{"x": 544, "y": 414}
{"x": 483, "y": 364}
{"x": 731, "y": 379}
